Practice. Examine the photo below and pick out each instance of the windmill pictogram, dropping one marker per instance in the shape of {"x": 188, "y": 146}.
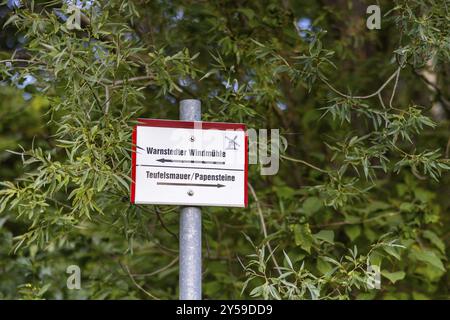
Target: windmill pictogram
{"x": 232, "y": 144}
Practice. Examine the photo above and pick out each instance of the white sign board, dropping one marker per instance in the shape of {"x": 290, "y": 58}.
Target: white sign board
{"x": 189, "y": 163}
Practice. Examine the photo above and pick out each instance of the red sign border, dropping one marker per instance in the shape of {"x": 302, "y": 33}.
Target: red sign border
{"x": 143, "y": 122}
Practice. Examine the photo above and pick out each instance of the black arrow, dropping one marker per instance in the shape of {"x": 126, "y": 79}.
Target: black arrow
{"x": 190, "y": 161}
{"x": 191, "y": 184}
{"x": 180, "y": 167}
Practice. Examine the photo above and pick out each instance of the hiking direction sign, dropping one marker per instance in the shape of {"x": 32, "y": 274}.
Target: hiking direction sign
{"x": 189, "y": 163}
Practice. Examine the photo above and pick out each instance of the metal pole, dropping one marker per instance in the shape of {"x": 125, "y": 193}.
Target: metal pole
{"x": 190, "y": 228}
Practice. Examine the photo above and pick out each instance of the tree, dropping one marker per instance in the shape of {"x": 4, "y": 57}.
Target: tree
{"x": 361, "y": 179}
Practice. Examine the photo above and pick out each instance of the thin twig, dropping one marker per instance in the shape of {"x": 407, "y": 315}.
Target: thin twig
{"x": 343, "y": 223}
{"x": 157, "y": 271}
{"x": 395, "y": 88}
{"x": 60, "y": 203}
{"x": 362, "y": 97}
{"x": 305, "y": 163}
{"x": 381, "y": 100}
{"x": 138, "y": 285}
{"x": 93, "y": 93}
{"x": 433, "y": 87}
{"x": 263, "y": 226}
{"x": 113, "y": 84}
{"x": 161, "y": 221}
{"x": 118, "y": 83}
{"x": 19, "y": 60}
{"x": 107, "y": 99}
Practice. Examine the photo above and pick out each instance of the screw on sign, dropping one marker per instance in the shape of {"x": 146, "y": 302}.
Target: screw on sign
{"x": 189, "y": 163}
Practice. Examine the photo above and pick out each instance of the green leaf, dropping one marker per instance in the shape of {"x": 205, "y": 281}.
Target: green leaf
{"x": 44, "y": 289}
{"x": 325, "y": 235}
{"x": 419, "y": 296}
{"x": 323, "y": 266}
{"x": 407, "y": 207}
{"x": 208, "y": 74}
{"x": 312, "y": 205}
{"x": 376, "y": 206}
{"x": 303, "y": 236}
{"x": 394, "y": 276}
{"x": 424, "y": 195}
{"x": 288, "y": 260}
{"x": 430, "y": 257}
{"x": 434, "y": 239}
{"x": 11, "y": 20}
{"x": 352, "y": 231}
{"x": 370, "y": 234}
{"x": 392, "y": 251}
{"x": 249, "y": 13}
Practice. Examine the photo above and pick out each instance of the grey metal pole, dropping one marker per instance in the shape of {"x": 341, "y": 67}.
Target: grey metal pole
{"x": 190, "y": 228}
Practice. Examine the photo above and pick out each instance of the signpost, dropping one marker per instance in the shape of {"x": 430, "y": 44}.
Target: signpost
{"x": 189, "y": 163}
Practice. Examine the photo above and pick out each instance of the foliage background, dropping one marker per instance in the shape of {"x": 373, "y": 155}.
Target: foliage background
{"x": 363, "y": 180}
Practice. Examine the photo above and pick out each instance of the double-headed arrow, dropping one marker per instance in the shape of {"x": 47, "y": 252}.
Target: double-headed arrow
{"x": 190, "y": 161}
{"x": 218, "y": 185}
